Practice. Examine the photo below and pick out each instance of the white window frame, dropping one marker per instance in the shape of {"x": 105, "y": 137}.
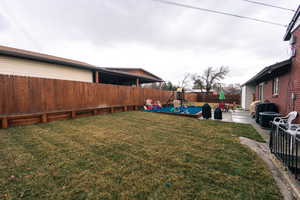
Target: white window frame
{"x": 275, "y": 86}
{"x": 293, "y": 52}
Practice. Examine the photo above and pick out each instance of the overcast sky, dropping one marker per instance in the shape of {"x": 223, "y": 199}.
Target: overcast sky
{"x": 165, "y": 40}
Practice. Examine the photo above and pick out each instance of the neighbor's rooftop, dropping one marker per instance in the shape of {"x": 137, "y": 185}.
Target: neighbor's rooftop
{"x": 30, "y": 55}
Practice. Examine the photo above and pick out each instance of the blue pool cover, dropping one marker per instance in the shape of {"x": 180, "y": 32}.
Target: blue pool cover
{"x": 192, "y": 110}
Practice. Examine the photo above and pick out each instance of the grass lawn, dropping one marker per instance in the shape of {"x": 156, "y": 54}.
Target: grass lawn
{"x": 133, "y": 155}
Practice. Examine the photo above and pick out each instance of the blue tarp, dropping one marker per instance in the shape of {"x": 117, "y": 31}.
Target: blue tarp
{"x": 181, "y": 110}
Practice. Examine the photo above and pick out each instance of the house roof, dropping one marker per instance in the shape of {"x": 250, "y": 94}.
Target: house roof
{"x": 291, "y": 25}
{"x": 24, "y": 54}
{"x": 129, "y": 69}
{"x": 20, "y": 53}
{"x": 142, "y": 78}
{"x": 270, "y": 71}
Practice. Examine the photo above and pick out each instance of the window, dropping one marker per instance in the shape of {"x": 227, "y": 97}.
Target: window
{"x": 293, "y": 51}
{"x": 275, "y": 87}
{"x": 261, "y": 91}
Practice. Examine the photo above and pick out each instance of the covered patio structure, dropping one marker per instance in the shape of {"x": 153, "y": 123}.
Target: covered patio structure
{"x": 117, "y": 76}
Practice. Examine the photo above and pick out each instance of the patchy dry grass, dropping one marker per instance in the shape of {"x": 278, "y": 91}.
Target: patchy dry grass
{"x": 132, "y": 155}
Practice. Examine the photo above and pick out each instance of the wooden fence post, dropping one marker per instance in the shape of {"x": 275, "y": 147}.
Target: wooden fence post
{"x": 73, "y": 114}
{"x": 95, "y": 112}
{"x": 97, "y": 77}
{"x": 4, "y": 123}
{"x": 44, "y": 118}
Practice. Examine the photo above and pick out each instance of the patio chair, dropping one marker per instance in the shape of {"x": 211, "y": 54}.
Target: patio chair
{"x": 286, "y": 122}
{"x": 293, "y": 132}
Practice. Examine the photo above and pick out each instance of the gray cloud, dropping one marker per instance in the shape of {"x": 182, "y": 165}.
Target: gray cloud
{"x": 4, "y": 24}
{"x": 181, "y": 33}
{"x": 142, "y": 21}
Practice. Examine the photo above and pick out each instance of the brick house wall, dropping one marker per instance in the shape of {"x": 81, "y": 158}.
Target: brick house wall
{"x": 288, "y": 83}
{"x": 295, "y": 73}
{"x": 281, "y": 99}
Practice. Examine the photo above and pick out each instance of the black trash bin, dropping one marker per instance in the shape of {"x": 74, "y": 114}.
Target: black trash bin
{"x": 218, "y": 113}
{"x": 264, "y": 107}
{"x": 206, "y": 111}
{"x": 266, "y": 117}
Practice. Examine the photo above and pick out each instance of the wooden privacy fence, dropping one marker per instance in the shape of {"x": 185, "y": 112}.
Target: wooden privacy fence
{"x": 191, "y": 97}
{"x": 27, "y": 100}
{"x": 210, "y": 98}
{"x": 215, "y": 98}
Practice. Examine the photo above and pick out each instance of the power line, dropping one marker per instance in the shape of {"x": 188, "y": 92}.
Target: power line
{"x": 269, "y": 5}
{"x": 20, "y": 26}
{"x": 219, "y": 12}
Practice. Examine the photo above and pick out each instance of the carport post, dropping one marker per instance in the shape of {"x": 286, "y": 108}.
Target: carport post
{"x": 97, "y": 77}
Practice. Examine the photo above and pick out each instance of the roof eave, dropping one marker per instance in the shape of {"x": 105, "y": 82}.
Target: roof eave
{"x": 120, "y": 69}
{"x": 270, "y": 69}
{"x": 288, "y": 34}
{"x": 48, "y": 60}
{"x": 105, "y": 70}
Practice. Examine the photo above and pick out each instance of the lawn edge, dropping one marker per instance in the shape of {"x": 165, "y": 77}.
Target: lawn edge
{"x": 284, "y": 180}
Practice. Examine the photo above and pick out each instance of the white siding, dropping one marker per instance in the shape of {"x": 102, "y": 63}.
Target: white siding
{"x": 243, "y": 97}
{"x": 24, "y": 67}
{"x": 246, "y": 98}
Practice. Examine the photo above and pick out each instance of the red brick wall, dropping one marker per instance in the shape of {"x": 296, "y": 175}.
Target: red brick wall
{"x": 288, "y": 84}
{"x": 296, "y": 70}
{"x": 281, "y": 99}
{"x": 295, "y": 73}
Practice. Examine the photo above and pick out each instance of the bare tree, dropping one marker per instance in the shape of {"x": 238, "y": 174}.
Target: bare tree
{"x": 185, "y": 81}
{"x": 198, "y": 83}
{"x": 210, "y": 79}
